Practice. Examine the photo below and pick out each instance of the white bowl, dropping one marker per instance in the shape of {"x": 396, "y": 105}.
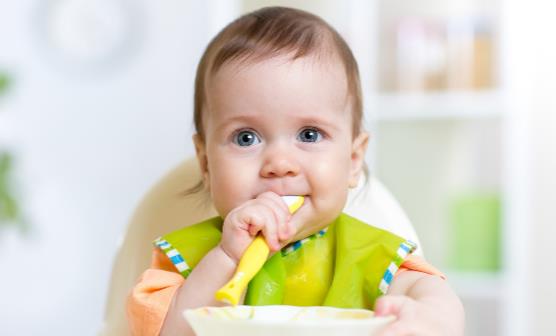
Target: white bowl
{"x": 284, "y": 321}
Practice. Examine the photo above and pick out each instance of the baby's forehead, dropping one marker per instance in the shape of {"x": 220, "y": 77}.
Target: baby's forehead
{"x": 281, "y": 90}
{"x": 282, "y": 77}
{"x": 320, "y": 61}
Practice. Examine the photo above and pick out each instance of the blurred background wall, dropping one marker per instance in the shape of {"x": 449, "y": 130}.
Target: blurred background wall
{"x": 95, "y": 106}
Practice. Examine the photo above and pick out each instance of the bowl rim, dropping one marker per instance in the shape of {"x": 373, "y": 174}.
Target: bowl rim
{"x": 374, "y": 320}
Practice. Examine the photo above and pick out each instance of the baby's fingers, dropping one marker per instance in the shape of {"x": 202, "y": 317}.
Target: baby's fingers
{"x": 281, "y": 214}
{"x": 270, "y": 233}
{"x": 255, "y": 221}
{"x": 390, "y": 305}
{"x": 398, "y": 306}
{"x": 261, "y": 219}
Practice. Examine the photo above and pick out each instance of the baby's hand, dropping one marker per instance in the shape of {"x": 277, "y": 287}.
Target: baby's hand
{"x": 268, "y": 214}
{"x": 412, "y": 317}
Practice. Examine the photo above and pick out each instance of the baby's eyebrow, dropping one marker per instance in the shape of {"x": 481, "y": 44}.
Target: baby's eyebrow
{"x": 319, "y": 121}
{"x": 227, "y": 122}
{"x": 256, "y": 120}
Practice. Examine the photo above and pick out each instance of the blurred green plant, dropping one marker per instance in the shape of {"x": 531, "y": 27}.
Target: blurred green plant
{"x": 10, "y": 213}
{"x": 4, "y": 83}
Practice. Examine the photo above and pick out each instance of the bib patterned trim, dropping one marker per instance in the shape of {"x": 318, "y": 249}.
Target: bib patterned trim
{"x": 403, "y": 251}
{"x": 181, "y": 265}
{"x": 174, "y": 256}
{"x": 298, "y": 244}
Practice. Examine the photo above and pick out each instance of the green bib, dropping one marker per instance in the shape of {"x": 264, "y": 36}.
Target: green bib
{"x": 349, "y": 265}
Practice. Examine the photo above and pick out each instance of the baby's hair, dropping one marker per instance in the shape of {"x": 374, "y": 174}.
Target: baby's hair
{"x": 271, "y": 32}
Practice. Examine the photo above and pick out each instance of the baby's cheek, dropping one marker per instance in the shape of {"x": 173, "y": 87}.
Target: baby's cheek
{"x": 330, "y": 184}
{"x": 330, "y": 174}
{"x": 226, "y": 192}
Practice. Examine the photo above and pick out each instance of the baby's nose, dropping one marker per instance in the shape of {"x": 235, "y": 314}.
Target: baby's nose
{"x": 279, "y": 163}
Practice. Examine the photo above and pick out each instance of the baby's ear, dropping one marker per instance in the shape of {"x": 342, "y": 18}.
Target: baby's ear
{"x": 358, "y": 150}
{"x": 200, "y": 149}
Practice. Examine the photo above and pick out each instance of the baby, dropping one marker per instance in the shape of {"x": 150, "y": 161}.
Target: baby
{"x": 278, "y": 111}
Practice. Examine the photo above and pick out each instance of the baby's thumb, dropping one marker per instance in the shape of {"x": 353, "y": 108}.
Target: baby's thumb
{"x": 390, "y": 305}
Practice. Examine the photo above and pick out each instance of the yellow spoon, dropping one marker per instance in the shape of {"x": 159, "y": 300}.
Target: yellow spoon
{"x": 251, "y": 262}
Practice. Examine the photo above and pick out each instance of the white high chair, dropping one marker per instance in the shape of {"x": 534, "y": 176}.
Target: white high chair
{"x": 165, "y": 209}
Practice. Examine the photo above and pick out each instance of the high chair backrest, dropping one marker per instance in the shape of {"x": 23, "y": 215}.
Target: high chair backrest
{"x": 165, "y": 209}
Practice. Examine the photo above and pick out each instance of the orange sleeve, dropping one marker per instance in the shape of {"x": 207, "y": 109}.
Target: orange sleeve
{"x": 416, "y": 263}
{"x": 150, "y": 299}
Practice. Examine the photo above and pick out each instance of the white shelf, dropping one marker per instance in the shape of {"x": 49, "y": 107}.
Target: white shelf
{"x": 436, "y": 106}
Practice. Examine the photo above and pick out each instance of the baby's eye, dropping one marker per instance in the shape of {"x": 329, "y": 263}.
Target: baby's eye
{"x": 309, "y": 135}
{"x": 246, "y": 138}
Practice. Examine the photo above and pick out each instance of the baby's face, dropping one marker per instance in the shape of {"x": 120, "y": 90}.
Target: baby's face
{"x": 282, "y": 126}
